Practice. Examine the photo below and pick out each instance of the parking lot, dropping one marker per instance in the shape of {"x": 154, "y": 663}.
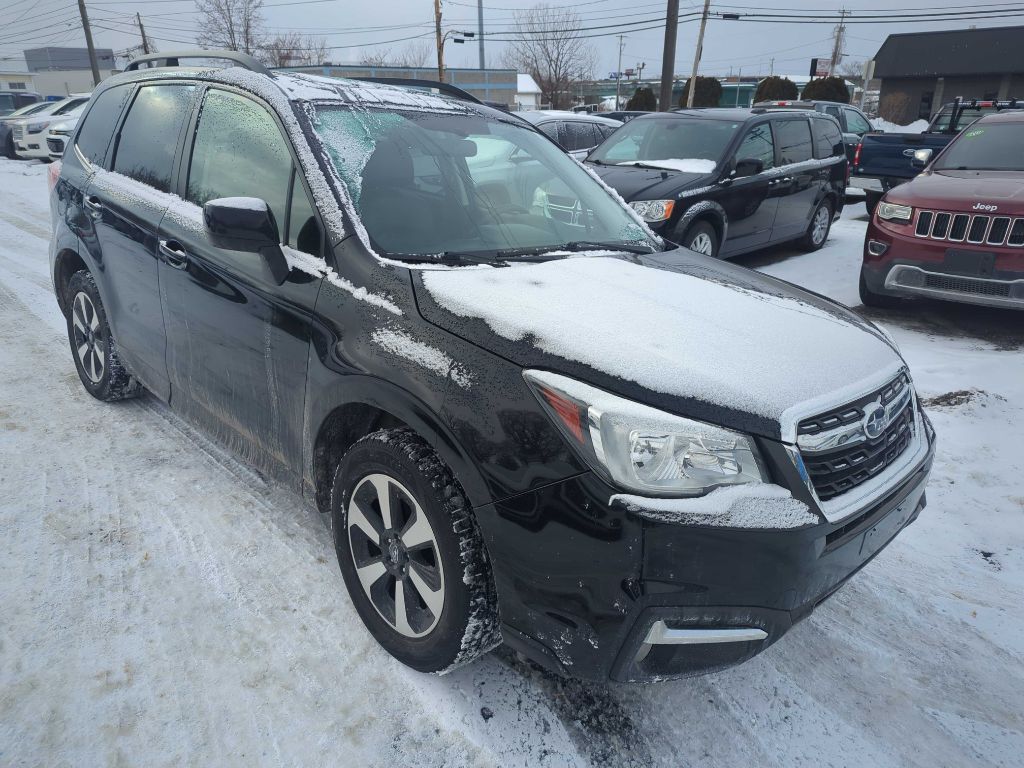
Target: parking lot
{"x": 163, "y": 604}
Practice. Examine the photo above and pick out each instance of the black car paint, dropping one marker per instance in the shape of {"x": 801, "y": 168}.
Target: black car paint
{"x": 748, "y": 212}
{"x": 288, "y": 375}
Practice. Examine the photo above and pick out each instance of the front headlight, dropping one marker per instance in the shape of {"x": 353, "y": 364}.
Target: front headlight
{"x": 38, "y": 127}
{"x": 893, "y": 212}
{"x": 653, "y": 210}
{"x": 642, "y": 449}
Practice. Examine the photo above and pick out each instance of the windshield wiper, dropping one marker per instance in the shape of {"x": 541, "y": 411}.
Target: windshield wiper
{"x": 585, "y": 245}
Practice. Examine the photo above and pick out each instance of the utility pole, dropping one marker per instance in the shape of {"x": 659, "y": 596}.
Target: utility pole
{"x": 618, "y": 73}
{"x": 837, "y": 49}
{"x": 142, "y": 30}
{"x": 480, "y": 29}
{"x": 668, "y": 56}
{"x": 88, "y": 43}
{"x": 692, "y": 84}
{"x": 440, "y": 40}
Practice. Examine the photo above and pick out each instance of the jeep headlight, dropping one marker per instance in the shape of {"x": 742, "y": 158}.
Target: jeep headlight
{"x": 653, "y": 210}
{"x": 642, "y": 449}
{"x": 894, "y": 212}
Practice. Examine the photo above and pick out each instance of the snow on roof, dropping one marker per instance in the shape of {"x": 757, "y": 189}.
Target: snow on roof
{"x": 526, "y": 84}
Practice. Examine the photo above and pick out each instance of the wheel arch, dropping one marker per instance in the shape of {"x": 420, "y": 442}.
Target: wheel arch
{"x": 65, "y": 264}
{"x": 704, "y": 210}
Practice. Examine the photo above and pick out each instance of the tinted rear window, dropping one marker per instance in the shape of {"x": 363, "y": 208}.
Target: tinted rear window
{"x": 793, "y": 138}
{"x": 99, "y": 124}
{"x": 826, "y": 136}
{"x": 984, "y": 147}
{"x": 149, "y": 136}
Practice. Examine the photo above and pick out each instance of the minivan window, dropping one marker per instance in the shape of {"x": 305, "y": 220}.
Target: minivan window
{"x": 421, "y": 190}
{"x": 794, "y": 140}
{"x": 303, "y": 229}
{"x": 95, "y": 133}
{"x": 826, "y": 137}
{"x": 758, "y": 145}
{"x": 69, "y": 106}
{"x": 149, "y": 136}
{"x": 668, "y": 138}
{"x": 239, "y": 152}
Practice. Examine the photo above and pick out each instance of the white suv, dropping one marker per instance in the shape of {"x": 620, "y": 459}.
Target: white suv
{"x": 29, "y": 133}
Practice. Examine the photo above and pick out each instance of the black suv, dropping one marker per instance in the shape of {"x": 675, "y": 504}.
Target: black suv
{"x": 727, "y": 181}
{"x": 622, "y": 459}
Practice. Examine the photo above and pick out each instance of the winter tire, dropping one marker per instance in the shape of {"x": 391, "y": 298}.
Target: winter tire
{"x": 878, "y": 300}
{"x": 411, "y": 554}
{"x": 702, "y": 238}
{"x": 818, "y": 229}
{"x": 93, "y": 346}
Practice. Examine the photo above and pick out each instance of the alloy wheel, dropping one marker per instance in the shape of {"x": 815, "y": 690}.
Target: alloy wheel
{"x": 90, "y": 345}
{"x": 396, "y": 556}
{"x": 702, "y": 244}
{"x": 819, "y": 226}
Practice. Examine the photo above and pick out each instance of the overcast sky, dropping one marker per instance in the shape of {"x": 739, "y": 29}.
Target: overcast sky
{"x": 362, "y": 27}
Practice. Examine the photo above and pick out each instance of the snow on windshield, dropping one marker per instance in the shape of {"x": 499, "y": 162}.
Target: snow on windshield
{"x": 671, "y": 332}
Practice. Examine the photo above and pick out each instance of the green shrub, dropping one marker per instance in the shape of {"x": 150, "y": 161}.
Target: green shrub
{"x": 642, "y": 99}
{"x": 776, "y": 88}
{"x": 707, "y": 94}
{"x": 827, "y": 89}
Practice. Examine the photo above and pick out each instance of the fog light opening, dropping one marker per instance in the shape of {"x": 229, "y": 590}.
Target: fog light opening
{"x": 877, "y": 247}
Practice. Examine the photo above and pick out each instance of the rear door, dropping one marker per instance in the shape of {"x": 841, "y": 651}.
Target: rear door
{"x": 237, "y": 342}
{"x": 800, "y": 178}
{"x": 748, "y": 203}
{"x": 126, "y": 206}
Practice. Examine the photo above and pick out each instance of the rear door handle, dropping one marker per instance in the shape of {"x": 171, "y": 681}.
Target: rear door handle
{"x": 174, "y": 255}
{"x": 93, "y": 206}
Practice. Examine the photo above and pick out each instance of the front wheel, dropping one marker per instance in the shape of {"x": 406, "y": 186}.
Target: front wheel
{"x": 702, "y": 238}
{"x": 410, "y": 552}
{"x": 878, "y": 300}
{"x": 818, "y": 229}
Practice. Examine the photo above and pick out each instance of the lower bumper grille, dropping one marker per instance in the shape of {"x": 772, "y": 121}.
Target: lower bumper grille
{"x": 966, "y": 285}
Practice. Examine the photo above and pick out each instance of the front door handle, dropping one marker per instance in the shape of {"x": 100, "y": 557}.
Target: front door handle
{"x": 174, "y": 255}
{"x": 93, "y": 206}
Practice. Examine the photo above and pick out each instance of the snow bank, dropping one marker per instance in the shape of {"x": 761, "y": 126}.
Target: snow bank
{"x": 686, "y": 165}
{"x": 918, "y": 126}
{"x": 755, "y": 505}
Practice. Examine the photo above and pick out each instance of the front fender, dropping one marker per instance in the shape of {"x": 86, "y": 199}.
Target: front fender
{"x": 705, "y": 209}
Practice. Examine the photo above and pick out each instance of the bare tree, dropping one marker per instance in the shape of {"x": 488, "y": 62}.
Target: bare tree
{"x": 237, "y": 25}
{"x": 412, "y": 55}
{"x": 852, "y": 71}
{"x": 292, "y": 49}
{"x": 550, "y": 47}
{"x": 379, "y": 58}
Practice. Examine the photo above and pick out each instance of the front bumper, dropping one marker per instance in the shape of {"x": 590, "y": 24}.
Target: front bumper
{"x": 605, "y": 594}
{"x": 32, "y": 146}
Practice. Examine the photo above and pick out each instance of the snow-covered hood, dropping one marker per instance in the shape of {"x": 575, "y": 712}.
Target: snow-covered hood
{"x": 676, "y": 330}
{"x": 649, "y": 183}
{"x": 962, "y": 190}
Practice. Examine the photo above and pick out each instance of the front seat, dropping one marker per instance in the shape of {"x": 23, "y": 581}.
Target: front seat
{"x": 397, "y": 217}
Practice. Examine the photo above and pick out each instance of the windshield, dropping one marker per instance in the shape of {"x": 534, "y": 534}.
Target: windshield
{"x": 967, "y": 116}
{"x": 426, "y": 183}
{"x": 992, "y": 147}
{"x": 700, "y": 142}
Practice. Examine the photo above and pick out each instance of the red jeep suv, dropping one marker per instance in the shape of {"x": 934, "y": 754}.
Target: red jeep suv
{"x": 955, "y": 232}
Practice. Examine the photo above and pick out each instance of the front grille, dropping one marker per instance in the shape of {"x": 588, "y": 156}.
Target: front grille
{"x": 966, "y": 285}
{"x": 55, "y": 145}
{"x": 18, "y": 132}
{"x": 978, "y": 229}
{"x": 836, "y": 470}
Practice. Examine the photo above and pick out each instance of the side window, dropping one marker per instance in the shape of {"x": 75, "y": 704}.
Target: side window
{"x": 794, "y": 140}
{"x": 551, "y": 131}
{"x": 834, "y": 111}
{"x": 149, "y": 136}
{"x": 579, "y": 135}
{"x": 99, "y": 124}
{"x": 239, "y": 152}
{"x": 826, "y": 135}
{"x": 855, "y": 122}
{"x": 758, "y": 145}
{"x": 303, "y": 229}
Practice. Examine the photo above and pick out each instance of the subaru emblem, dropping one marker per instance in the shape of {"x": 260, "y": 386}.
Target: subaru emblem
{"x": 874, "y": 420}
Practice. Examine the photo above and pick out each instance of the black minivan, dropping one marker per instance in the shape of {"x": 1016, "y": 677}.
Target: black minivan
{"x": 728, "y": 181}
{"x": 621, "y": 458}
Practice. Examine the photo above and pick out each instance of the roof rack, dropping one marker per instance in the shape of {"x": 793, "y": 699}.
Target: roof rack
{"x": 173, "y": 59}
{"x": 409, "y": 82}
{"x": 960, "y": 104}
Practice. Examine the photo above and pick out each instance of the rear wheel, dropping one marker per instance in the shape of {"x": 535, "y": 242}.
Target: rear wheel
{"x": 410, "y": 552}
{"x": 93, "y": 345}
{"x": 702, "y": 238}
{"x": 818, "y": 229}
{"x": 878, "y": 300}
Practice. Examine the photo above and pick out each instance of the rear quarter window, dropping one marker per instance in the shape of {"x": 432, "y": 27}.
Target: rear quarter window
{"x": 149, "y": 136}
{"x": 826, "y": 135}
{"x": 94, "y": 136}
{"x": 793, "y": 139}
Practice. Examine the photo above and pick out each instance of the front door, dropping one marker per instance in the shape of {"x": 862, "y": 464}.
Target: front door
{"x": 237, "y": 342}
{"x": 748, "y": 201}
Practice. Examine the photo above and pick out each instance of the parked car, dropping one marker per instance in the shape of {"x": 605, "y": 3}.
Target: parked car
{"x": 956, "y": 232}
{"x": 29, "y": 133}
{"x": 621, "y": 458}
{"x": 852, "y": 121}
{"x": 12, "y": 101}
{"x": 727, "y": 181}
{"x": 575, "y": 132}
{"x": 6, "y": 133}
{"x": 624, "y": 116}
{"x": 57, "y": 136}
{"x": 885, "y": 160}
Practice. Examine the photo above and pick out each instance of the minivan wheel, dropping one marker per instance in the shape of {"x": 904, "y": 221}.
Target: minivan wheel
{"x": 92, "y": 344}
{"x": 702, "y": 238}
{"x": 818, "y": 229}
{"x": 410, "y": 552}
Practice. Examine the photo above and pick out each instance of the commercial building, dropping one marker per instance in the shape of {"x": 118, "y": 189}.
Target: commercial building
{"x": 921, "y": 71}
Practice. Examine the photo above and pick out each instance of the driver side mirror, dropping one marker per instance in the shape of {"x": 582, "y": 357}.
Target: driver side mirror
{"x": 748, "y": 166}
{"x": 921, "y": 158}
{"x": 246, "y": 224}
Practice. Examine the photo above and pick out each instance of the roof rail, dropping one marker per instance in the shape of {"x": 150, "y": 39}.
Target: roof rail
{"x": 409, "y": 82}
{"x": 173, "y": 59}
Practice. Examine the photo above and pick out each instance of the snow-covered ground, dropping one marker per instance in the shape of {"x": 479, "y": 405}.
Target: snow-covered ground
{"x": 161, "y": 604}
